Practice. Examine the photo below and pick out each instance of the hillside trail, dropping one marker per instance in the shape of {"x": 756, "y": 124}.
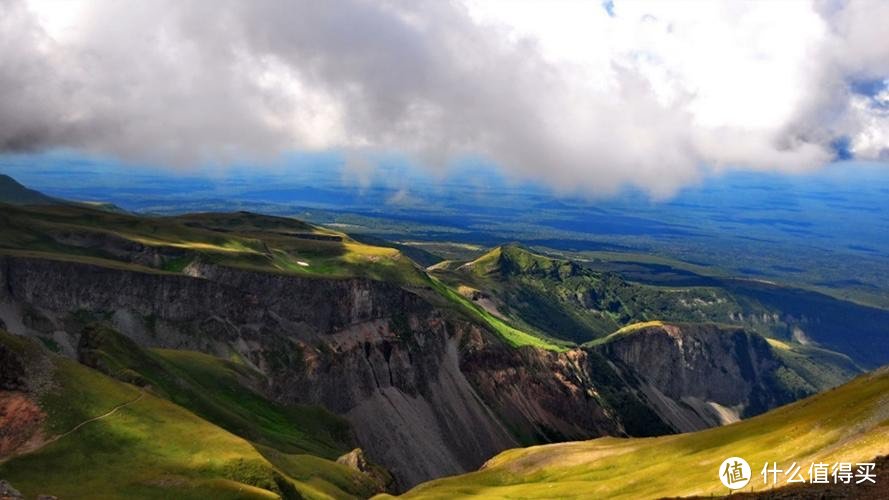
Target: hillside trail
{"x": 76, "y": 427}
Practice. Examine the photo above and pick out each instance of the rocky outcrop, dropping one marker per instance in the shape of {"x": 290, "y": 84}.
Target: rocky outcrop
{"x": 25, "y": 374}
{"x": 7, "y": 492}
{"x": 700, "y": 375}
{"x": 541, "y": 396}
{"x": 380, "y": 356}
{"x": 356, "y": 460}
{"x": 401, "y": 388}
{"x": 428, "y": 392}
{"x": 21, "y": 423}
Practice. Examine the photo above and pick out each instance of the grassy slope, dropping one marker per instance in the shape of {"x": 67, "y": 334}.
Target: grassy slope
{"x": 241, "y": 240}
{"x": 250, "y": 241}
{"x": 670, "y": 269}
{"x": 513, "y": 336}
{"x": 153, "y": 448}
{"x": 218, "y": 391}
{"x": 819, "y": 367}
{"x": 849, "y": 423}
{"x": 556, "y": 297}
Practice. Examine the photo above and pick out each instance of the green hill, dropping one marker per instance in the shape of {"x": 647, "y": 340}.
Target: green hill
{"x": 93, "y": 436}
{"x": 562, "y": 299}
{"x": 170, "y": 244}
{"x": 217, "y": 390}
{"x": 555, "y": 298}
{"x": 846, "y": 424}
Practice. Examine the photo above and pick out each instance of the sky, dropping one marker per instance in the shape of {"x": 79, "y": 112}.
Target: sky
{"x": 585, "y": 97}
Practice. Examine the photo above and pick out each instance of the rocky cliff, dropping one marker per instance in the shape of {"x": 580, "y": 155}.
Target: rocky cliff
{"x": 428, "y": 391}
{"x": 701, "y": 375}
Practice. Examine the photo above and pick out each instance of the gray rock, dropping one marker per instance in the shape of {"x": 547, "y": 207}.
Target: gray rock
{"x": 7, "y": 492}
{"x": 427, "y": 391}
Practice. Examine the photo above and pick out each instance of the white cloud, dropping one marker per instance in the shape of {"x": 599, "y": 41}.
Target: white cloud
{"x": 654, "y": 96}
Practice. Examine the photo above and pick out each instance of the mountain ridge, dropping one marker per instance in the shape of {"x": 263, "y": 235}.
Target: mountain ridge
{"x": 14, "y": 193}
{"x": 848, "y": 424}
{"x": 430, "y": 380}
{"x": 562, "y": 299}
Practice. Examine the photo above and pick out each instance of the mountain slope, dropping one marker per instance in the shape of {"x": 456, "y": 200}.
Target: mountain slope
{"x": 562, "y": 299}
{"x": 92, "y": 436}
{"x": 250, "y": 321}
{"x": 696, "y": 376}
{"x": 13, "y": 193}
{"x": 220, "y": 391}
{"x": 409, "y": 375}
{"x": 846, "y": 424}
{"x": 243, "y": 240}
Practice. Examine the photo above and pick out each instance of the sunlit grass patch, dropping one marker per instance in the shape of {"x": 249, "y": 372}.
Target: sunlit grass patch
{"x": 846, "y": 424}
{"x": 512, "y": 336}
{"x": 153, "y": 448}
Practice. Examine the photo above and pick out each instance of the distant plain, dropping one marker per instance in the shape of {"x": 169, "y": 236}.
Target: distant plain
{"x": 826, "y": 230}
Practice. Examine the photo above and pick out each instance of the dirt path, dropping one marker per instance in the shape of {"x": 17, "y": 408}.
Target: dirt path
{"x": 111, "y": 412}
{"x": 76, "y": 427}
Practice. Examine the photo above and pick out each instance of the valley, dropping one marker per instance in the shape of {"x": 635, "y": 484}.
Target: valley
{"x": 453, "y": 249}
{"x": 288, "y": 345}
{"x": 846, "y": 424}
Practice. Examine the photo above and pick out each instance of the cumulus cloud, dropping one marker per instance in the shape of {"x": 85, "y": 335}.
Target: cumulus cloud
{"x": 582, "y": 97}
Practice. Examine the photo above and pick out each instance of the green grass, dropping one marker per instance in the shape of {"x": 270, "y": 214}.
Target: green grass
{"x": 627, "y": 330}
{"x": 210, "y": 387}
{"x": 512, "y": 336}
{"x": 154, "y": 448}
{"x": 820, "y": 368}
{"x": 243, "y": 240}
{"x": 150, "y": 449}
{"x": 848, "y": 424}
{"x": 217, "y": 390}
{"x": 551, "y": 297}
{"x": 322, "y": 477}
{"x": 561, "y": 299}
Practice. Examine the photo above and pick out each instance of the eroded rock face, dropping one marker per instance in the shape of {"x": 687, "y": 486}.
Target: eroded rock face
{"x": 356, "y": 460}
{"x": 541, "y": 395}
{"x": 24, "y": 376}
{"x": 7, "y": 492}
{"x": 409, "y": 404}
{"x": 699, "y": 376}
{"x": 428, "y": 392}
{"x": 21, "y": 423}
{"x": 380, "y": 356}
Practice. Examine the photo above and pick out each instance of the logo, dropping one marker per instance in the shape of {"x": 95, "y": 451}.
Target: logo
{"x": 734, "y": 473}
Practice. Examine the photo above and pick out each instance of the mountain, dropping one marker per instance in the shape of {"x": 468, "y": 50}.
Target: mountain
{"x": 356, "y": 329}
{"x": 565, "y": 300}
{"x": 73, "y": 432}
{"x": 299, "y": 340}
{"x": 846, "y": 424}
{"x": 13, "y": 193}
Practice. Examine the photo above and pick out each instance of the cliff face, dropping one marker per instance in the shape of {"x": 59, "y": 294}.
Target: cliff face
{"x": 378, "y": 355}
{"x": 698, "y": 376}
{"x": 25, "y": 374}
{"x": 541, "y": 395}
{"x": 428, "y": 392}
